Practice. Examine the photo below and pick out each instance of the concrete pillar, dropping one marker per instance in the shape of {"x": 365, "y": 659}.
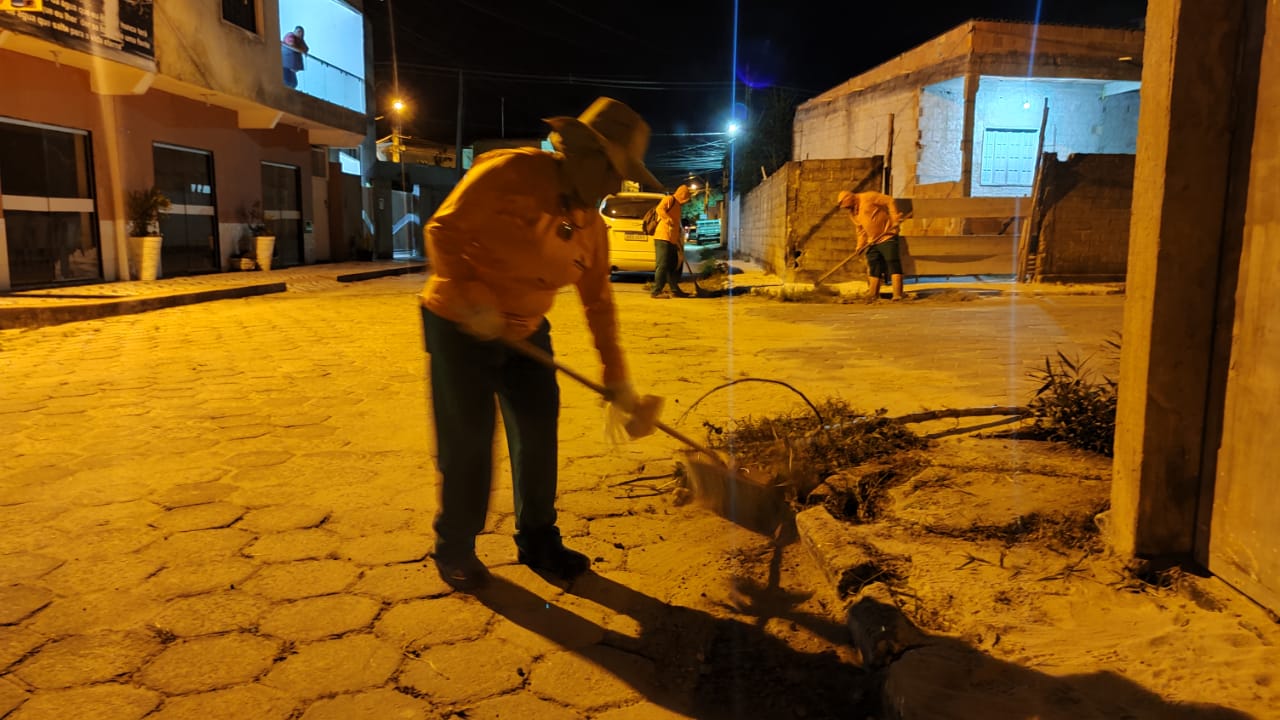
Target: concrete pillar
{"x": 971, "y": 79}
{"x": 1179, "y": 236}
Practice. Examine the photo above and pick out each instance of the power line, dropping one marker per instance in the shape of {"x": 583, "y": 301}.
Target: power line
{"x": 613, "y": 82}
{"x": 592, "y": 20}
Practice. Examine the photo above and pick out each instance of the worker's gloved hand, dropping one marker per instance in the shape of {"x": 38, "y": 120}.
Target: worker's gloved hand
{"x": 622, "y": 395}
{"x": 482, "y": 322}
{"x": 630, "y": 415}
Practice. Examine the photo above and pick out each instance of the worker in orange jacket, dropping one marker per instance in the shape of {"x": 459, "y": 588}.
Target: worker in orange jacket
{"x": 876, "y": 218}
{"x": 522, "y": 224}
{"x": 668, "y": 244}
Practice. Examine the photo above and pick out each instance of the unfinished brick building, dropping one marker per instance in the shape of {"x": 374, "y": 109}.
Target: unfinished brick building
{"x": 965, "y": 115}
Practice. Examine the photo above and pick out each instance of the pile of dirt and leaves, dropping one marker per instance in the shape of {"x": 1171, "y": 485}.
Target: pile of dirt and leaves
{"x": 803, "y": 446}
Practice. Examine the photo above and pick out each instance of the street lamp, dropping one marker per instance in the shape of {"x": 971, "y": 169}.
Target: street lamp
{"x": 397, "y": 120}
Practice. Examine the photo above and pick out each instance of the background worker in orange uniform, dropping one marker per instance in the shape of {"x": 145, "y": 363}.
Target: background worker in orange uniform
{"x": 668, "y": 243}
{"x": 876, "y": 218}
{"x": 522, "y": 224}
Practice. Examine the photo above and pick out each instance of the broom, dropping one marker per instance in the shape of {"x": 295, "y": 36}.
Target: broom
{"x": 715, "y": 482}
{"x": 698, "y": 290}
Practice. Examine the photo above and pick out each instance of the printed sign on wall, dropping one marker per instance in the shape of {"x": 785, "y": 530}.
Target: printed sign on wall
{"x": 120, "y": 30}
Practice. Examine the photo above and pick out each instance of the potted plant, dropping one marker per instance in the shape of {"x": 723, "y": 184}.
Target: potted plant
{"x": 264, "y": 243}
{"x": 144, "y": 208}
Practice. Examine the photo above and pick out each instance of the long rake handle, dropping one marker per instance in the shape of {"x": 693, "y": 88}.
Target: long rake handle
{"x": 541, "y": 356}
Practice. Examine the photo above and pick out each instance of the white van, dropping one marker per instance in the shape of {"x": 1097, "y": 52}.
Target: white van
{"x": 630, "y": 250}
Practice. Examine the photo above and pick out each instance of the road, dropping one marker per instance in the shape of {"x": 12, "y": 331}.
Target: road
{"x": 222, "y": 511}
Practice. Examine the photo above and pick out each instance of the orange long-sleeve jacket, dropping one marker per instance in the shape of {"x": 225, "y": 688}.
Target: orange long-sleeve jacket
{"x": 876, "y": 217}
{"x": 670, "y": 210}
{"x": 504, "y": 238}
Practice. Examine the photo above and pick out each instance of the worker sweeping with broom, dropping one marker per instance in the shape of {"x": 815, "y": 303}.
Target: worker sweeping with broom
{"x": 522, "y": 224}
{"x": 877, "y": 219}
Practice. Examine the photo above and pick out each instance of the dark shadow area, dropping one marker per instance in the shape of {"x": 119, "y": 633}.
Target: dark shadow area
{"x": 641, "y": 276}
{"x": 632, "y": 277}
{"x": 954, "y": 293}
{"x": 969, "y": 428}
{"x": 714, "y": 668}
{"x": 940, "y": 677}
{"x": 732, "y": 291}
{"x": 699, "y": 665}
{"x": 64, "y": 295}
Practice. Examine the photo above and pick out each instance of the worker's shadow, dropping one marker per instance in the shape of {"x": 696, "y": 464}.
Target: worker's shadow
{"x": 713, "y": 668}
{"x": 691, "y": 662}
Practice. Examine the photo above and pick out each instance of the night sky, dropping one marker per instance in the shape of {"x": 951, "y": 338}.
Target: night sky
{"x": 523, "y": 60}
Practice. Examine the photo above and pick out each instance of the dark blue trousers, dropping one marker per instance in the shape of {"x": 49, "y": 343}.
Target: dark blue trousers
{"x": 466, "y": 375}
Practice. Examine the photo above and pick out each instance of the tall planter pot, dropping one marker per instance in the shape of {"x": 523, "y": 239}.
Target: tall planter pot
{"x": 264, "y": 246}
{"x": 144, "y": 257}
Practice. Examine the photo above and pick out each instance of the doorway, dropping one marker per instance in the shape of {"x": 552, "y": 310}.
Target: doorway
{"x": 48, "y": 229}
{"x": 190, "y": 225}
{"x": 282, "y": 211}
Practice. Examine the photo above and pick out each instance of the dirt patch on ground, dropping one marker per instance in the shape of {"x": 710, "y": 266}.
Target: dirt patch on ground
{"x": 994, "y": 551}
{"x": 999, "y": 544}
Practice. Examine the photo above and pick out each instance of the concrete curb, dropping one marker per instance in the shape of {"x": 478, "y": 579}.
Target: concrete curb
{"x": 13, "y": 318}
{"x": 386, "y": 272}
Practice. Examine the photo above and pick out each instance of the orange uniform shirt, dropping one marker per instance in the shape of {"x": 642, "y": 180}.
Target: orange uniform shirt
{"x": 504, "y": 238}
{"x": 669, "y": 226}
{"x": 876, "y": 217}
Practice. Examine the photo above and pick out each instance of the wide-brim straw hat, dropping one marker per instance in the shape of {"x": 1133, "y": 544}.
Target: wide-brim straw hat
{"x": 622, "y": 133}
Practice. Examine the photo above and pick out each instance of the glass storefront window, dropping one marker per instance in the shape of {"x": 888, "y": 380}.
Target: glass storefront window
{"x": 46, "y": 191}
{"x": 51, "y": 247}
{"x": 282, "y": 208}
{"x": 190, "y": 226}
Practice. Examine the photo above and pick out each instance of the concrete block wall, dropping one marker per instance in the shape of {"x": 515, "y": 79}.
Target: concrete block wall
{"x": 790, "y": 223}
{"x": 857, "y": 126}
{"x": 1120, "y": 123}
{"x": 762, "y": 221}
{"x": 821, "y": 235}
{"x": 1085, "y": 233}
{"x": 941, "y": 133}
{"x": 1074, "y": 41}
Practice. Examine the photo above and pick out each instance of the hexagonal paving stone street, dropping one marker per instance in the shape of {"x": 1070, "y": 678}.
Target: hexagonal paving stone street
{"x": 224, "y": 510}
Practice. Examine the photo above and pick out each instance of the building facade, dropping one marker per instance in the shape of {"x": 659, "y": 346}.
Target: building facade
{"x": 105, "y": 97}
{"x": 962, "y": 114}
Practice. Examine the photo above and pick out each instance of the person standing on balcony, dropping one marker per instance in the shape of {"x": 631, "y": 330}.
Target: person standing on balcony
{"x": 876, "y": 219}
{"x": 668, "y": 244}
{"x": 522, "y": 224}
{"x": 293, "y": 48}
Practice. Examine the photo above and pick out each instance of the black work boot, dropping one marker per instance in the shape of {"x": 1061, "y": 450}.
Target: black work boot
{"x": 464, "y": 573}
{"x": 543, "y": 550}
{"x": 555, "y": 559}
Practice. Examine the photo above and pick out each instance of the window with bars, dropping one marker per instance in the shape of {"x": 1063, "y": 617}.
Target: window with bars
{"x": 1009, "y": 157}
{"x": 241, "y": 12}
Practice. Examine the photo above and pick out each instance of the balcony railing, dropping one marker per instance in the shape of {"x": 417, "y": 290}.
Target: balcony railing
{"x": 331, "y": 83}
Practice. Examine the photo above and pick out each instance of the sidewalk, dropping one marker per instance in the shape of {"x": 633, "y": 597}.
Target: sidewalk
{"x": 53, "y": 306}
{"x": 748, "y": 273}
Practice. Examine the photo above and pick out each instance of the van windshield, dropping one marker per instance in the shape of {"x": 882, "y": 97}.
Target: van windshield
{"x": 627, "y": 208}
